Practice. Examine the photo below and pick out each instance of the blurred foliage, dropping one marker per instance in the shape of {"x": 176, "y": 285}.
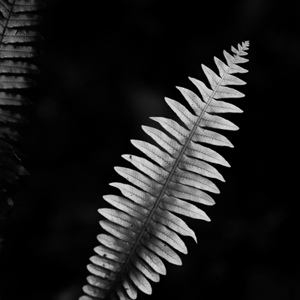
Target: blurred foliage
{"x": 105, "y": 69}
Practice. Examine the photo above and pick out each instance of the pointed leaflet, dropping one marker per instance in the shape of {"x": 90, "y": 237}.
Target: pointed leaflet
{"x": 136, "y": 195}
{"x": 167, "y": 235}
{"x": 92, "y": 291}
{"x": 130, "y": 288}
{"x": 180, "y": 176}
{"x": 198, "y": 105}
{"x": 119, "y": 217}
{"x": 193, "y": 149}
{"x": 101, "y": 272}
{"x": 161, "y": 249}
{"x": 163, "y": 216}
{"x": 173, "y": 222}
{"x": 98, "y": 282}
{"x": 145, "y": 269}
{"x": 145, "y": 226}
{"x": 118, "y": 231}
{"x": 201, "y": 135}
{"x": 182, "y": 207}
{"x": 151, "y": 259}
{"x": 110, "y": 254}
{"x": 207, "y": 120}
{"x": 140, "y": 281}
{"x": 127, "y": 206}
{"x": 106, "y": 263}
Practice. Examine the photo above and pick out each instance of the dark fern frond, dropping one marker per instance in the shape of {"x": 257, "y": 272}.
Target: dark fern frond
{"x": 144, "y": 227}
{"x": 18, "y": 35}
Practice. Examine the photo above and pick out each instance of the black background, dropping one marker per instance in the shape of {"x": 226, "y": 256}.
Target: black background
{"x": 105, "y": 68}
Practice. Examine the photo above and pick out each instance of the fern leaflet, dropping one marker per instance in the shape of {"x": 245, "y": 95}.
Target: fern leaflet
{"x": 143, "y": 227}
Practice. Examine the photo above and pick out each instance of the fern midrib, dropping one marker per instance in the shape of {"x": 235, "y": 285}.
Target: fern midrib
{"x": 166, "y": 184}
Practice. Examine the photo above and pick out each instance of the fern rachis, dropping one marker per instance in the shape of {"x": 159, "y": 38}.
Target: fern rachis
{"x": 144, "y": 226}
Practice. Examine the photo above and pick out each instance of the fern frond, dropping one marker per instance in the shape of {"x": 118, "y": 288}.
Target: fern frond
{"x": 144, "y": 228}
{"x": 17, "y": 34}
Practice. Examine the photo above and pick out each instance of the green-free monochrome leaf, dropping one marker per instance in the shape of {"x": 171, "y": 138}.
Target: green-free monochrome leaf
{"x": 17, "y": 37}
{"x": 144, "y": 228}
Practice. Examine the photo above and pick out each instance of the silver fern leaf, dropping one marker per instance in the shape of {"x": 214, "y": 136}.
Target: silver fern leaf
{"x": 144, "y": 228}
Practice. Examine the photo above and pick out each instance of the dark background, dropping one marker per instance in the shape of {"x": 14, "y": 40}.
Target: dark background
{"x": 105, "y": 68}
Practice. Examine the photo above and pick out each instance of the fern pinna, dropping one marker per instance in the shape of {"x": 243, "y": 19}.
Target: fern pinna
{"x": 17, "y": 36}
{"x": 144, "y": 227}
